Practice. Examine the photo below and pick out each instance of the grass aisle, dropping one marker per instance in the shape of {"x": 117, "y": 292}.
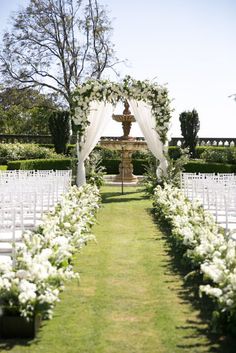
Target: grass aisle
{"x": 130, "y": 299}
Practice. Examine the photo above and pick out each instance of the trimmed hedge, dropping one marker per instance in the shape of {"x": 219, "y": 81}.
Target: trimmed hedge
{"x": 112, "y": 166}
{"x": 140, "y": 166}
{"x": 202, "y": 167}
{"x": 42, "y": 164}
{"x": 174, "y": 152}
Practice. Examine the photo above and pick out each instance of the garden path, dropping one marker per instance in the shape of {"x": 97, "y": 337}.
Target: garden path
{"x": 131, "y": 298}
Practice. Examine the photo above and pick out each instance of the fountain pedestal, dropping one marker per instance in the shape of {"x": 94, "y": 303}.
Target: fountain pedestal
{"x": 127, "y": 145}
{"x": 126, "y": 167}
{"x": 127, "y": 148}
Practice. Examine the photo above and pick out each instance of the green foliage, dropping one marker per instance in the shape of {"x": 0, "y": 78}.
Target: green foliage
{"x": 24, "y": 111}
{"x": 220, "y": 155}
{"x": 174, "y": 152}
{"x": 46, "y": 145}
{"x": 57, "y": 44}
{"x": 150, "y": 180}
{"x": 94, "y": 170}
{"x": 107, "y": 153}
{"x": 199, "y": 150}
{"x": 175, "y": 168}
{"x": 140, "y": 155}
{"x": 42, "y": 164}
{"x": 71, "y": 150}
{"x": 17, "y": 151}
{"x": 140, "y": 165}
{"x": 3, "y": 167}
{"x": 111, "y": 165}
{"x": 190, "y": 125}
{"x": 59, "y": 125}
{"x": 203, "y": 167}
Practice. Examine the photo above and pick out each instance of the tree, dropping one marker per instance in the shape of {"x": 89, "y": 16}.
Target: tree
{"x": 24, "y": 111}
{"x": 190, "y": 125}
{"x": 56, "y": 44}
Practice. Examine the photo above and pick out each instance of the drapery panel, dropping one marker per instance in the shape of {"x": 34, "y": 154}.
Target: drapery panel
{"x": 100, "y": 113}
{"x": 143, "y": 115}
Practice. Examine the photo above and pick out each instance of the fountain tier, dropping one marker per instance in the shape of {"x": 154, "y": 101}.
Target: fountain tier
{"x": 126, "y": 144}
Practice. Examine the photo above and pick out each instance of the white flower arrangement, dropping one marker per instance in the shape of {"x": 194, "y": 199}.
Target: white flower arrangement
{"x": 206, "y": 245}
{"x": 43, "y": 261}
{"x": 97, "y": 90}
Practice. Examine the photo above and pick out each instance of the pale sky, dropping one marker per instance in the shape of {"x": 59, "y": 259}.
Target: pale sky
{"x": 187, "y": 44}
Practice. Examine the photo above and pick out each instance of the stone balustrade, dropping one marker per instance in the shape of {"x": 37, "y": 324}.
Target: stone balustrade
{"x": 175, "y": 141}
{"x": 41, "y": 139}
{"x": 207, "y": 141}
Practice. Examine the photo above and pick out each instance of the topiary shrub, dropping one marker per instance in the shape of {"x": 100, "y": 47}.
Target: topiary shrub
{"x": 190, "y": 125}
{"x": 59, "y": 125}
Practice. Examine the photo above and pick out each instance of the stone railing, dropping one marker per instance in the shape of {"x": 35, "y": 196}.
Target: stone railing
{"x": 175, "y": 141}
{"x": 42, "y": 139}
{"x": 116, "y": 138}
{"x": 206, "y": 141}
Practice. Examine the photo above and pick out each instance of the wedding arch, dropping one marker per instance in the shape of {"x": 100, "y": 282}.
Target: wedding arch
{"x": 94, "y": 102}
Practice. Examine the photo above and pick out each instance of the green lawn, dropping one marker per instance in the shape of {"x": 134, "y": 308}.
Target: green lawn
{"x": 131, "y": 297}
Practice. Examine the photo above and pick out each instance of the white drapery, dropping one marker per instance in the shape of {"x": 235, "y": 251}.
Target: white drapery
{"x": 143, "y": 115}
{"x": 100, "y": 113}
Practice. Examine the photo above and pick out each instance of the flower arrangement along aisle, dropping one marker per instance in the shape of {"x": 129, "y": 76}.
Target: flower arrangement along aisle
{"x": 204, "y": 244}
{"x": 30, "y": 285}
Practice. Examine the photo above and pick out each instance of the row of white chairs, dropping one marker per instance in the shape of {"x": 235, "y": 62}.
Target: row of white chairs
{"x": 24, "y": 197}
{"x": 216, "y": 192}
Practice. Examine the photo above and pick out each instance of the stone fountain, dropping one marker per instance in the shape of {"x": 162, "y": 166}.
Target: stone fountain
{"x": 126, "y": 144}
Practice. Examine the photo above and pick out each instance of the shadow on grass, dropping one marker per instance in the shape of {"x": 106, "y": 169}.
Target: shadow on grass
{"x": 189, "y": 293}
{"x": 9, "y": 344}
{"x": 128, "y": 196}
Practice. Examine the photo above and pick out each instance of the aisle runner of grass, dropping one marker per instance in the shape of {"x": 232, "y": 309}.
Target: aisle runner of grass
{"x": 130, "y": 299}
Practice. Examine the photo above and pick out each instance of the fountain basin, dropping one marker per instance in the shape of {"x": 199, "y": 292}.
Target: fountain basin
{"x": 127, "y": 147}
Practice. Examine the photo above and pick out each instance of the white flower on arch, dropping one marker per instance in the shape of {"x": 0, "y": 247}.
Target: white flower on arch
{"x": 93, "y": 104}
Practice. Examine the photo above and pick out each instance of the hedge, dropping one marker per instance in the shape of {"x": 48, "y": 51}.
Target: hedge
{"x": 111, "y": 166}
{"x": 42, "y": 164}
{"x": 175, "y": 151}
{"x": 140, "y": 166}
{"x": 202, "y": 167}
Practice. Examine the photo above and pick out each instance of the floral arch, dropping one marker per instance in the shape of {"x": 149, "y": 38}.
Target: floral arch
{"x": 94, "y": 102}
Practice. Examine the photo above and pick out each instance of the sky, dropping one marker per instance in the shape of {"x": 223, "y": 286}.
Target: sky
{"x": 188, "y": 45}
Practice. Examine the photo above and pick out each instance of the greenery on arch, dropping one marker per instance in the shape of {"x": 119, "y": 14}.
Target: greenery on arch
{"x": 104, "y": 90}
